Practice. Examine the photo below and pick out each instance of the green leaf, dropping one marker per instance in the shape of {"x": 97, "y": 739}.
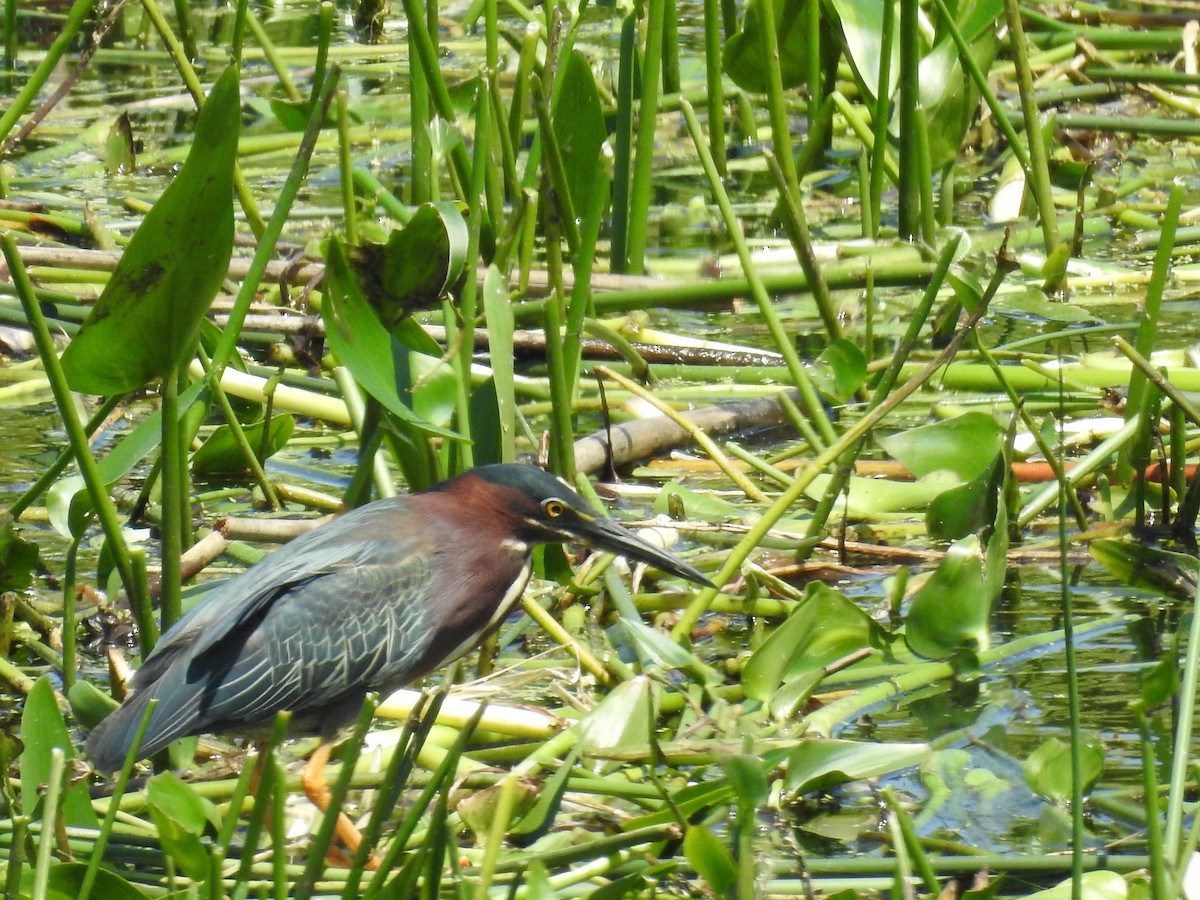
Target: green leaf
{"x": 820, "y": 764}
{"x": 146, "y": 322}
{"x": 743, "y": 53}
{"x": 711, "y": 859}
{"x": 380, "y": 364}
{"x": 963, "y": 510}
{"x": 18, "y": 559}
{"x": 965, "y": 445}
{"x": 221, "y": 453}
{"x": 416, "y": 266}
{"x": 824, "y": 627}
{"x": 66, "y": 881}
{"x": 43, "y": 729}
{"x": 578, "y": 123}
{"x": 622, "y": 718}
{"x": 950, "y": 610}
{"x": 181, "y": 817}
{"x": 840, "y": 370}
{"x": 1099, "y": 885}
{"x": 862, "y": 31}
{"x": 89, "y": 704}
{"x": 120, "y": 158}
{"x": 868, "y": 497}
{"x": 1048, "y": 769}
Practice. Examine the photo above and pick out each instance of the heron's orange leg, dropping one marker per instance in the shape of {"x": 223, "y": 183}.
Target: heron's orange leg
{"x": 316, "y": 788}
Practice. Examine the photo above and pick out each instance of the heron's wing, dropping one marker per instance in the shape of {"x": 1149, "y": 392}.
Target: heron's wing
{"x": 311, "y": 556}
{"x": 328, "y": 641}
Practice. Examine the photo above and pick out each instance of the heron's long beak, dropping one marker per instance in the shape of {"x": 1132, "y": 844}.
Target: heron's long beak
{"x": 604, "y": 534}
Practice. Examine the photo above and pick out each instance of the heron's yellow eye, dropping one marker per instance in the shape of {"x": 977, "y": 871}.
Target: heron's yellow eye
{"x": 554, "y": 508}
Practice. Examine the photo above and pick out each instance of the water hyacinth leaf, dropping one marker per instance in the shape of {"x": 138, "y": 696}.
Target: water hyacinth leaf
{"x": 743, "y": 53}
{"x": 18, "y": 559}
{"x": 146, "y": 321}
{"x": 840, "y": 370}
{"x": 379, "y": 363}
{"x": 621, "y": 719}
{"x": 1098, "y": 885}
{"x": 965, "y": 509}
{"x": 862, "y": 32}
{"x": 700, "y": 505}
{"x": 43, "y": 729}
{"x": 866, "y": 497}
{"x": 221, "y": 452}
{"x": 711, "y": 859}
{"x": 1032, "y": 305}
{"x": 578, "y": 123}
{"x": 824, "y": 627}
{"x": 965, "y": 445}
{"x": 1142, "y": 566}
{"x": 1048, "y": 768}
{"x": 65, "y": 882}
{"x": 749, "y": 782}
{"x": 950, "y": 610}
{"x": 181, "y": 816}
{"x": 821, "y": 764}
{"x": 417, "y": 265}
{"x": 537, "y": 882}
{"x": 478, "y": 809}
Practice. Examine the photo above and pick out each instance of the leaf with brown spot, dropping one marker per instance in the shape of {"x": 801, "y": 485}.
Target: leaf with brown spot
{"x": 147, "y": 320}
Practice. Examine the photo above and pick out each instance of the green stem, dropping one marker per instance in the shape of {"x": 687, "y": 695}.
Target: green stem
{"x": 643, "y": 159}
{"x": 174, "y": 503}
{"x": 76, "y": 436}
{"x": 783, "y": 342}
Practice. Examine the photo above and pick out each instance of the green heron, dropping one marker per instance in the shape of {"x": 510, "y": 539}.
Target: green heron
{"x": 376, "y": 598}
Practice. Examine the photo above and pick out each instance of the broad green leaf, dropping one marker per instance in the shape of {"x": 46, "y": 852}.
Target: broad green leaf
{"x": 181, "y": 817}
{"x": 824, "y": 627}
{"x": 221, "y": 453}
{"x": 622, "y": 718}
{"x": 538, "y": 819}
{"x": 1048, "y": 769}
{"x": 840, "y": 370}
{"x": 1099, "y": 885}
{"x": 89, "y": 704}
{"x": 416, "y": 266}
{"x": 666, "y": 652}
{"x": 478, "y": 810}
{"x": 18, "y": 558}
{"x": 749, "y": 783}
{"x": 1159, "y": 683}
{"x": 950, "y": 610}
{"x": 379, "y": 363}
{"x": 146, "y": 322}
{"x": 965, "y": 509}
{"x": 1033, "y": 305}
{"x": 965, "y": 445}
{"x": 819, "y": 764}
{"x": 578, "y": 123}
{"x": 120, "y": 157}
{"x": 862, "y": 30}
{"x": 711, "y": 859}
{"x": 743, "y": 53}
{"x": 65, "y": 882}
{"x": 877, "y": 496}
{"x": 43, "y": 729}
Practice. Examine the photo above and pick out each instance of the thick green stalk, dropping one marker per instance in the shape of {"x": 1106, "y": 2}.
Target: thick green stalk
{"x": 174, "y": 503}
{"x": 713, "y": 70}
{"x": 783, "y": 342}
{"x": 777, "y": 107}
{"x": 909, "y": 181}
{"x": 643, "y": 159}
{"x": 879, "y": 118}
{"x": 1181, "y": 758}
{"x": 1037, "y": 173}
{"x": 227, "y": 345}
